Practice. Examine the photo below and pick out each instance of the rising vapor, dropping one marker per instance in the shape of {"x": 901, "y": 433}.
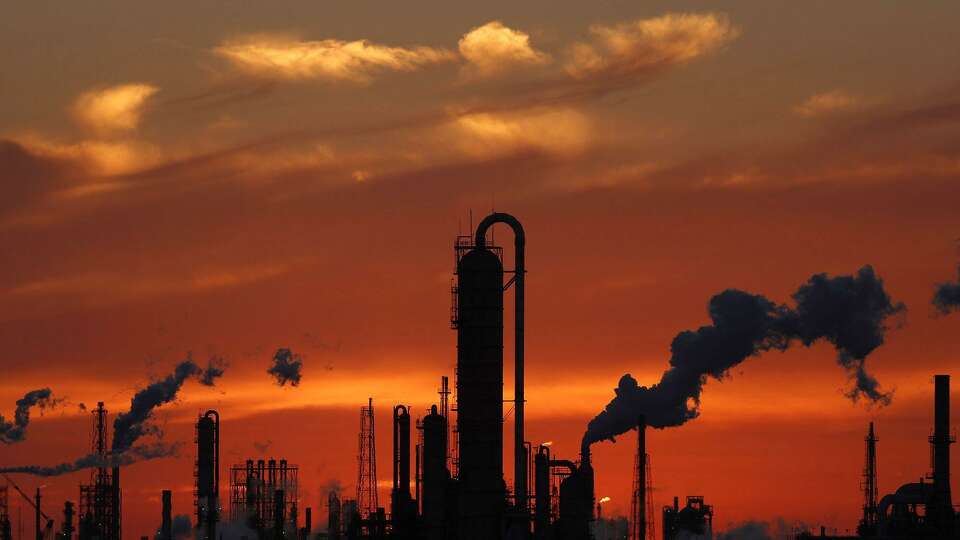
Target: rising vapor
{"x": 286, "y": 367}
{"x": 128, "y": 427}
{"x": 16, "y": 431}
{"x": 134, "y": 454}
{"x": 946, "y": 298}
{"x": 848, "y": 311}
{"x": 131, "y": 425}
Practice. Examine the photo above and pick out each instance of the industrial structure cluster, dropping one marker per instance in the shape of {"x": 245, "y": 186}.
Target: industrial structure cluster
{"x": 457, "y": 490}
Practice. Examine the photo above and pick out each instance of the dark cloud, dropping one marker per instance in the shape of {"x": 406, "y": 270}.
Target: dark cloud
{"x": 851, "y": 312}
{"x": 15, "y": 431}
{"x": 287, "y": 367}
{"x": 946, "y": 297}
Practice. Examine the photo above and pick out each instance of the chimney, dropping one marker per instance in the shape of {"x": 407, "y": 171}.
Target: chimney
{"x": 641, "y": 517}
{"x": 166, "y": 527}
{"x": 940, "y": 509}
{"x": 115, "y": 526}
{"x": 37, "y": 515}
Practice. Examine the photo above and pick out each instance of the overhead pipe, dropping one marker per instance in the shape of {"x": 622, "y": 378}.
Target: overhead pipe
{"x": 519, "y": 454}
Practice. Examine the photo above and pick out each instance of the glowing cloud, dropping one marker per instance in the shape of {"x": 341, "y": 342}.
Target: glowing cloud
{"x": 832, "y": 102}
{"x": 356, "y": 61}
{"x": 632, "y": 48}
{"x": 113, "y": 109}
{"x": 556, "y": 131}
{"x": 493, "y": 48}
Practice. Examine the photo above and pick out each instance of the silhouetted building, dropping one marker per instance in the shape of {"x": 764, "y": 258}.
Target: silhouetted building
{"x": 696, "y": 518}
{"x": 264, "y": 495}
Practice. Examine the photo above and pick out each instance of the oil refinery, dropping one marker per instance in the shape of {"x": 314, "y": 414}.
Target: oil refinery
{"x": 448, "y": 480}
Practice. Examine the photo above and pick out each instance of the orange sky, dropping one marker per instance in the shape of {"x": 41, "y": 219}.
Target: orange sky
{"x": 228, "y": 181}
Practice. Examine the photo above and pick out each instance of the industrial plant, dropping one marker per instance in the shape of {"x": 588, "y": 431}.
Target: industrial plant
{"x": 448, "y": 479}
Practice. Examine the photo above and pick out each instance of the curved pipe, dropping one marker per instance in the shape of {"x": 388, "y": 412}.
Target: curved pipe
{"x": 519, "y": 453}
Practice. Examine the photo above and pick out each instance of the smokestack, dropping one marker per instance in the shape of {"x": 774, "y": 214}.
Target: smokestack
{"x": 308, "y": 525}
{"x": 37, "y": 515}
{"x": 67, "y": 531}
{"x": 115, "y": 502}
{"x": 166, "y": 527}
{"x": 940, "y": 510}
{"x": 641, "y": 517}
{"x": 279, "y": 513}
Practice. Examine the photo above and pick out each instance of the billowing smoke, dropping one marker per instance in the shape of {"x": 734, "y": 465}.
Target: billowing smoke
{"x": 946, "y": 298}
{"x": 128, "y": 427}
{"x": 134, "y": 454}
{"x": 215, "y": 368}
{"x": 779, "y": 529}
{"x": 286, "y": 367}
{"x": 848, "y": 311}
{"x": 750, "y": 530}
{"x": 16, "y": 431}
{"x": 133, "y": 424}
{"x": 262, "y": 447}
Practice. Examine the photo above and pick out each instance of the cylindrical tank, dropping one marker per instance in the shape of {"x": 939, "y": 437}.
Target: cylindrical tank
{"x": 403, "y": 512}
{"x": 206, "y": 469}
{"x": 541, "y": 480}
{"x": 435, "y": 474}
{"x": 480, "y": 395}
{"x": 401, "y": 450}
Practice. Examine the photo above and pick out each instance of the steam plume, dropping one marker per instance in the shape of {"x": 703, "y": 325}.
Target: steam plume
{"x": 848, "y": 311}
{"x": 140, "y": 452}
{"x": 131, "y": 425}
{"x": 947, "y": 296}
{"x": 286, "y": 367}
{"x": 16, "y": 431}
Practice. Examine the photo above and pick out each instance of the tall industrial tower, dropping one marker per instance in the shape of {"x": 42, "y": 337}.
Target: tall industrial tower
{"x": 5, "y": 532}
{"x": 641, "y": 515}
{"x": 100, "y": 500}
{"x": 367, "y": 501}
{"x": 868, "y": 524}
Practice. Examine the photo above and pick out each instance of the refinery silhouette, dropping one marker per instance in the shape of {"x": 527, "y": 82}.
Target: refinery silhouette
{"x": 448, "y": 479}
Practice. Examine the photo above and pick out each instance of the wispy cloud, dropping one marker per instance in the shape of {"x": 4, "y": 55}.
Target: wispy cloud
{"x": 632, "y": 48}
{"x": 493, "y": 49}
{"x": 826, "y": 103}
{"x": 111, "y": 285}
{"x": 358, "y": 61}
{"x": 113, "y": 109}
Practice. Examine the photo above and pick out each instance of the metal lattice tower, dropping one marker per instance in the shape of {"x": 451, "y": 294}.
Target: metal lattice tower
{"x": 635, "y": 500}
{"x": 367, "y": 501}
{"x": 651, "y": 532}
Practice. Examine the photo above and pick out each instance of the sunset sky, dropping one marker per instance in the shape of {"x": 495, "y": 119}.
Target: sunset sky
{"x": 226, "y": 179}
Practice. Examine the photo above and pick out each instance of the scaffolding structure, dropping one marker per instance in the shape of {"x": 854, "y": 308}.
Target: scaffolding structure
{"x": 100, "y": 499}
{"x": 264, "y": 495}
{"x": 367, "y": 498}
